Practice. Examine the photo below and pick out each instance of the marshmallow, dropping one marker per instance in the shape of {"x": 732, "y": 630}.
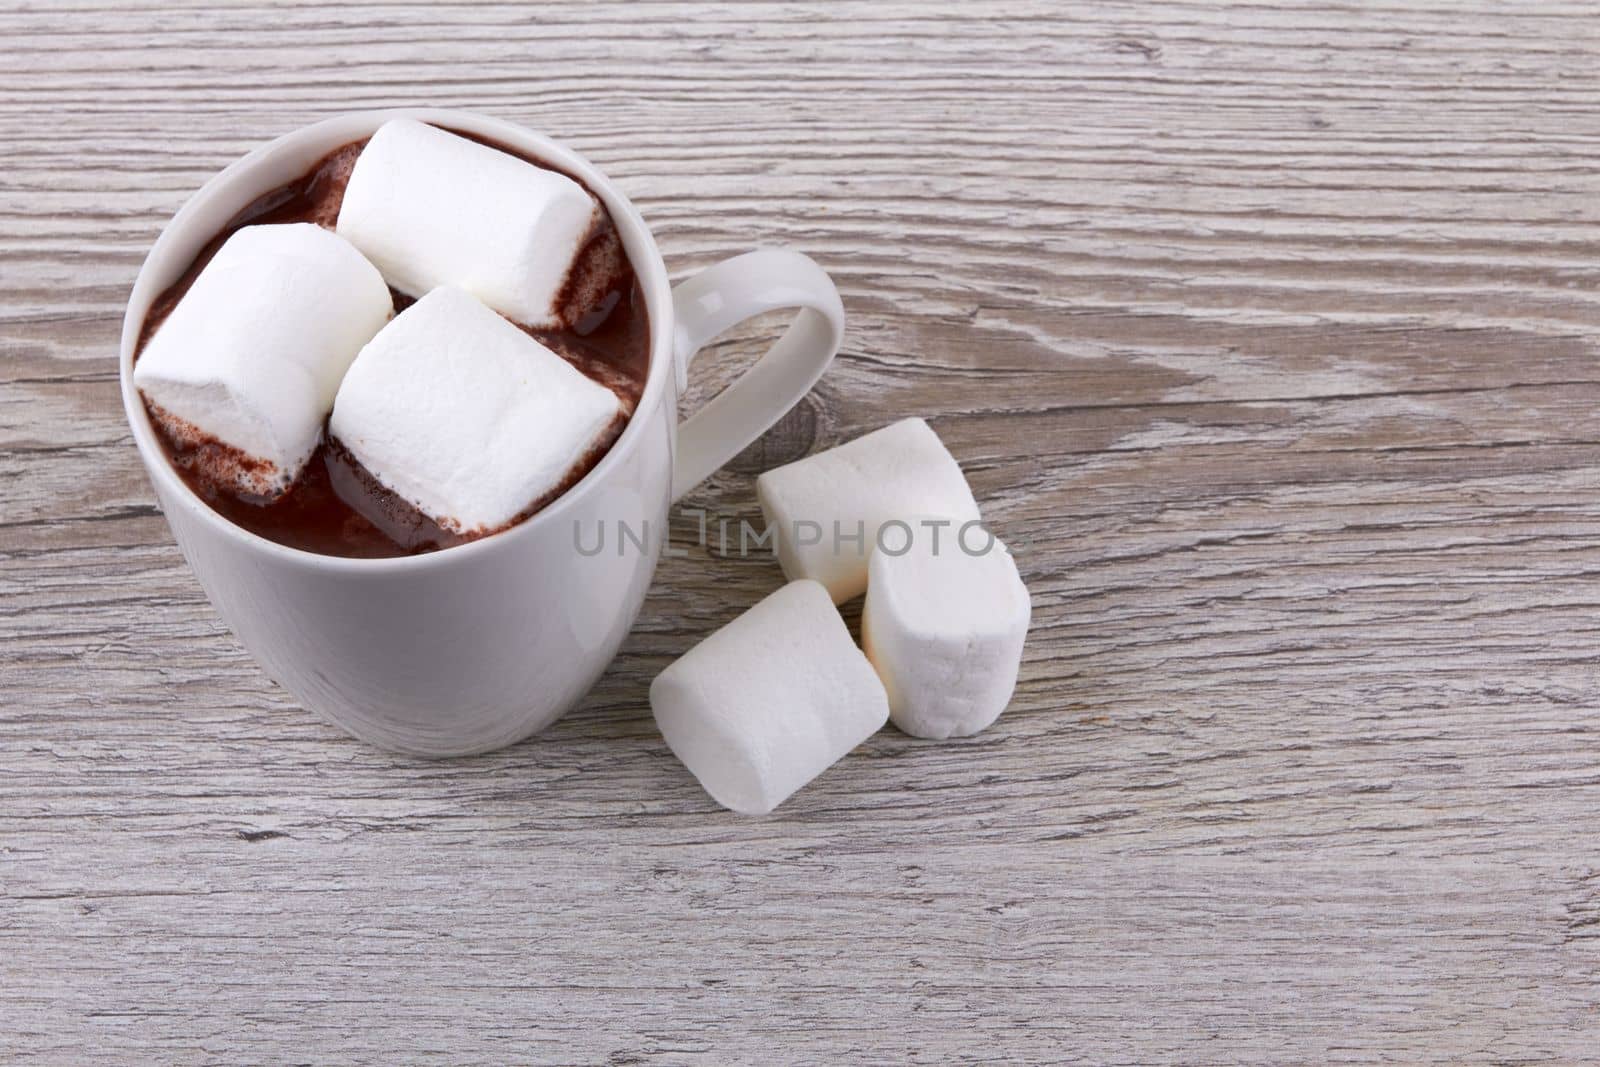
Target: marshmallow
{"x": 943, "y": 624}
{"x": 472, "y": 421}
{"x": 770, "y": 701}
{"x": 431, "y": 208}
{"x": 252, "y": 355}
{"x": 826, "y": 510}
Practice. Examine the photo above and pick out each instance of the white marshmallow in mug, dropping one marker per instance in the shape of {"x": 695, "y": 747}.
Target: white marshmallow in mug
{"x": 252, "y": 354}
{"x": 770, "y": 701}
{"x": 944, "y": 623}
{"x": 465, "y": 416}
{"x": 431, "y": 208}
{"x": 827, "y": 509}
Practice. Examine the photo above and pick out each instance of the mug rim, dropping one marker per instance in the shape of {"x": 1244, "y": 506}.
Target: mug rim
{"x": 636, "y": 238}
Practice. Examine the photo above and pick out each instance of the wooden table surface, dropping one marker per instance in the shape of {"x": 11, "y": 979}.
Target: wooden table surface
{"x": 1267, "y": 329}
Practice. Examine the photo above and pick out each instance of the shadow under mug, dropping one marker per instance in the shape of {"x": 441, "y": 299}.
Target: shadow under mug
{"x": 475, "y": 647}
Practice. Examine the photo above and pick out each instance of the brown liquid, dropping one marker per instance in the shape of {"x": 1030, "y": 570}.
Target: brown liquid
{"x": 607, "y": 336}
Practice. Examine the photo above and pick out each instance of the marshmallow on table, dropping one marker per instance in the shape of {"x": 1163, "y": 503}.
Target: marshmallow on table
{"x": 252, "y": 355}
{"x": 463, "y": 415}
{"x": 943, "y": 624}
{"x": 770, "y": 701}
{"x": 431, "y": 208}
{"x": 826, "y": 510}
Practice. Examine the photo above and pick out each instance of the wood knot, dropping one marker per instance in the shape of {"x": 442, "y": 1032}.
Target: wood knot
{"x": 1133, "y": 46}
{"x": 260, "y": 835}
{"x": 790, "y": 438}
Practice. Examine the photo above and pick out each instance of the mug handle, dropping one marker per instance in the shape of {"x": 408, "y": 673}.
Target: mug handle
{"x": 730, "y": 292}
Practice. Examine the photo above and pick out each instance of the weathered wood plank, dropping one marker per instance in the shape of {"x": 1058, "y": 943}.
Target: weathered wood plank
{"x": 1264, "y": 329}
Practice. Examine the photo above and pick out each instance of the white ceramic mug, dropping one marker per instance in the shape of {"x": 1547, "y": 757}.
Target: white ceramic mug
{"x": 475, "y": 647}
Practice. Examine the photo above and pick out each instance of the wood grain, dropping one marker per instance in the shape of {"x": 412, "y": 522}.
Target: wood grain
{"x": 1266, "y": 331}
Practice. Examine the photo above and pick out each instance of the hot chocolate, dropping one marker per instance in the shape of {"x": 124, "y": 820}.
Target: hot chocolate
{"x": 336, "y": 506}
